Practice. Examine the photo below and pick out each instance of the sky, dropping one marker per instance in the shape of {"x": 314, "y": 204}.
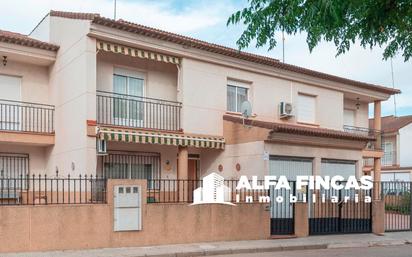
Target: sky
{"x": 206, "y": 20}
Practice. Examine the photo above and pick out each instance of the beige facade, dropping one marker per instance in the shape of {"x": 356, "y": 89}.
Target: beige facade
{"x": 124, "y": 103}
{"x": 199, "y": 82}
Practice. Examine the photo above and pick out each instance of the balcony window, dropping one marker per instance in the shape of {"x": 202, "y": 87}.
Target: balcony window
{"x": 236, "y": 95}
{"x": 306, "y": 108}
{"x": 128, "y": 111}
{"x": 349, "y": 117}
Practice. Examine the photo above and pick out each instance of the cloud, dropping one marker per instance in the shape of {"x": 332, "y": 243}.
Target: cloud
{"x": 22, "y": 15}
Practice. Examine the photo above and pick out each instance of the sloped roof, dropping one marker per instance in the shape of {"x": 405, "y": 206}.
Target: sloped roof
{"x": 299, "y": 130}
{"x": 24, "y": 40}
{"x": 214, "y": 48}
{"x": 393, "y": 124}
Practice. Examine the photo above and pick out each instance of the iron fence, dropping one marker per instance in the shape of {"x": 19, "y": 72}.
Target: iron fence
{"x": 333, "y": 211}
{"x": 182, "y": 191}
{"x": 43, "y": 190}
{"x": 137, "y": 112}
{"x": 397, "y": 200}
{"x": 26, "y": 117}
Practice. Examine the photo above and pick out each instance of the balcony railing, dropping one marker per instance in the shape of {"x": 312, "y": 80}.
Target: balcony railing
{"x": 137, "y": 112}
{"x": 364, "y": 132}
{"x": 26, "y": 117}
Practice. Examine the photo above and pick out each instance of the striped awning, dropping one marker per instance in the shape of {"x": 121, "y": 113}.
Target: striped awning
{"x": 144, "y": 137}
{"x": 134, "y": 52}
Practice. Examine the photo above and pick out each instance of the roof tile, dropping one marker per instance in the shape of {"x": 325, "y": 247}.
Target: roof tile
{"x": 24, "y": 40}
{"x": 300, "y": 130}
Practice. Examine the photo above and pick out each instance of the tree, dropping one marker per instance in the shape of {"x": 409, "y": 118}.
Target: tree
{"x": 383, "y": 23}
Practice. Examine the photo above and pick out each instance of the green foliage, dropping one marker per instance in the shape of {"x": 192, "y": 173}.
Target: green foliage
{"x": 402, "y": 205}
{"x": 384, "y": 23}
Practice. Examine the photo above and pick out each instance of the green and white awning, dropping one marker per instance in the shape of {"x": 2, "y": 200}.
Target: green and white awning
{"x": 145, "y": 137}
{"x": 134, "y": 52}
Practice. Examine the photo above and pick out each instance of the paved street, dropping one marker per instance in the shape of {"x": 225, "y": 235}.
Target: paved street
{"x": 388, "y": 251}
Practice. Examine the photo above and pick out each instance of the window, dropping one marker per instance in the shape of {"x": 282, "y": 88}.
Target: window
{"x": 128, "y": 106}
{"x": 10, "y": 88}
{"x": 119, "y": 165}
{"x": 236, "y": 95}
{"x": 349, "y": 117}
{"x": 306, "y": 108}
{"x": 10, "y": 114}
{"x": 388, "y": 154}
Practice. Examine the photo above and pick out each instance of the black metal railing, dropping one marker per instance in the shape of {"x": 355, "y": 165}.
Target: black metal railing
{"x": 397, "y": 199}
{"x": 26, "y": 117}
{"x": 43, "y": 190}
{"x": 137, "y": 112}
{"x": 373, "y": 133}
{"x": 182, "y": 191}
{"x": 333, "y": 211}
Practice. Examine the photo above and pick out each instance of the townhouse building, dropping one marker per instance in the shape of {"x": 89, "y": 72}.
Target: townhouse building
{"x": 167, "y": 106}
{"x": 396, "y": 162}
{"x": 84, "y": 94}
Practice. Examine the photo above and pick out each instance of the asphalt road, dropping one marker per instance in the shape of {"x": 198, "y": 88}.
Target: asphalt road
{"x": 387, "y": 251}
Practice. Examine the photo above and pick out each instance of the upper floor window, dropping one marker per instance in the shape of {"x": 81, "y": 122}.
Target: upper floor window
{"x": 128, "y": 108}
{"x": 236, "y": 95}
{"x": 10, "y": 88}
{"x": 349, "y": 117}
{"x": 306, "y": 108}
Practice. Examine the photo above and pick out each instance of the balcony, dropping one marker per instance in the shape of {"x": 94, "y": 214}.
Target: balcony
{"x": 137, "y": 112}
{"x": 365, "y": 132}
{"x": 18, "y": 116}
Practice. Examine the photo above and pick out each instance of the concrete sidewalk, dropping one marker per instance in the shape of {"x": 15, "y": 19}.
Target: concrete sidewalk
{"x": 232, "y": 247}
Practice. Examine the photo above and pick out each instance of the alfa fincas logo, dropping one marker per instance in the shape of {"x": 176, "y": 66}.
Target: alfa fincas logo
{"x": 213, "y": 191}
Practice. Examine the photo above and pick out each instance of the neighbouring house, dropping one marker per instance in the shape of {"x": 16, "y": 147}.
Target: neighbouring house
{"x": 396, "y": 160}
{"x": 85, "y": 94}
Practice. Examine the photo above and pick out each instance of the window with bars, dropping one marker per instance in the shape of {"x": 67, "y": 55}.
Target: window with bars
{"x": 131, "y": 166}
{"x": 14, "y": 168}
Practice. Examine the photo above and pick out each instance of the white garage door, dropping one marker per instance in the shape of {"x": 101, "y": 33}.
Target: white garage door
{"x": 290, "y": 167}
{"x": 338, "y": 167}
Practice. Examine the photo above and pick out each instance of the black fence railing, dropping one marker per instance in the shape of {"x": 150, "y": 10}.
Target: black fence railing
{"x": 182, "y": 191}
{"x": 333, "y": 211}
{"x": 26, "y": 117}
{"x": 373, "y": 133}
{"x": 43, "y": 190}
{"x": 398, "y": 202}
{"x": 137, "y": 112}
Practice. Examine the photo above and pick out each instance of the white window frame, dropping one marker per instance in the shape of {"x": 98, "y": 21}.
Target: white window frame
{"x": 129, "y": 74}
{"x": 236, "y": 85}
{"x": 4, "y": 124}
{"x": 314, "y": 122}
{"x": 354, "y": 117}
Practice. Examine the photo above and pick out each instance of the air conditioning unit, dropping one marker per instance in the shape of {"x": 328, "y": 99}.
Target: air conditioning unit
{"x": 101, "y": 146}
{"x": 285, "y": 110}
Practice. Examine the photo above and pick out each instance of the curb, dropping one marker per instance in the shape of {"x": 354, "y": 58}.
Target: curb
{"x": 212, "y": 252}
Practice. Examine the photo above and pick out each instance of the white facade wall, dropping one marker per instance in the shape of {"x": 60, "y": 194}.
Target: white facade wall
{"x": 405, "y": 149}
{"x": 73, "y": 90}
